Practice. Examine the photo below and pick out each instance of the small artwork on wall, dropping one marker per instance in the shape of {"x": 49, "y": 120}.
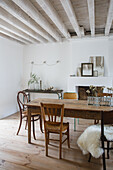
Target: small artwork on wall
{"x": 98, "y": 65}
{"x": 87, "y": 69}
{"x": 79, "y": 72}
{"x": 95, "y": 73}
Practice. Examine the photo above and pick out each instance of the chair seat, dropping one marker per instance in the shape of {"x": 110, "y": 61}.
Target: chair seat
{"x": 55, "y": 127}
{"x": 24, "y": 112}
{"x": 32, "y": 114}
{"x": 35, "y": 114}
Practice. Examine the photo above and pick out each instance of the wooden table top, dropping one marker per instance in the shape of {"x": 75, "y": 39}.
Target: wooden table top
{"x": 70, "y": 104}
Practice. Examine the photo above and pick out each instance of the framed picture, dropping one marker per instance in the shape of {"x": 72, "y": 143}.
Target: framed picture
{"x": 98, "y": 64}
{"x": 87, "y": 69}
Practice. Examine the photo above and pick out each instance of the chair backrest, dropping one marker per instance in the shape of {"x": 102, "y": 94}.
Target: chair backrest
{"x": 52, "y": 114}
{"x": 106, "y": 119}
{"x": 22, "y": 99}
{"x": 104, "y": 94}
{"x": 70, "y": 95}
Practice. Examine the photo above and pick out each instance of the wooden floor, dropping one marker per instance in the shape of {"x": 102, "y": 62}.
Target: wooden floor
{"x": 17, "y": 154}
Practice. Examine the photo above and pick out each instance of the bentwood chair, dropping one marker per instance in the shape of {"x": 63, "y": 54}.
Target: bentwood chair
{"x": 106, "y": 119}
{"x": 69, "y": 95}
{"x": 22, "y": 99}
{"x": 102, "y": 95}
{"x": 53, "y": 123}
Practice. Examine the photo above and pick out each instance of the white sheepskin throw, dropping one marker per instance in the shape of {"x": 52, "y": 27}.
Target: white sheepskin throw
{"x": 89, "y": 141}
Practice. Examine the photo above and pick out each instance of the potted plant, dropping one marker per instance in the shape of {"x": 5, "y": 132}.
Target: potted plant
{"x": 33, "y": 81}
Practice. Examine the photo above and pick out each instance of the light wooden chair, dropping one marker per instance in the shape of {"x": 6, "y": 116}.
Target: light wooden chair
{"x": 104, "y": 94}
{"x": 22, "y": 99}
{"x": 69, "y": 95}
{"x": 53, "y": 123}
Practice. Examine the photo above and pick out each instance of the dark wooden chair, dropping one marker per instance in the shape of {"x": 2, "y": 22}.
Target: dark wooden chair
{"x": 106, "y": 119}
{"x": 69, "y": 95}
{"x": 22, "y": 99}
{"x": 53, "y": 123}
{"x": 102, "y": 95}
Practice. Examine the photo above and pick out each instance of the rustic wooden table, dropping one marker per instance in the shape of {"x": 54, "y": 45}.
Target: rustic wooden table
{"x": 72, "y": 108}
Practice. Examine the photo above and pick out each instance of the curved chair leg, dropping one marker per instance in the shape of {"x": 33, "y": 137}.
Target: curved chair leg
{"x": 68, "y": 137}
{"x": 41, "y": 124}
{"x": 33, "y": 128}
{"x": 46, "y": 142}
{"x": 26, "y": 123}
{"x": 96, "y": 122}
{"x": 60, "y": 147}
{"x": 103, "y": 156}
{"x": 19, "y": 126}
{"x": 107, "y": 149}
{"x": 89, "y": 157}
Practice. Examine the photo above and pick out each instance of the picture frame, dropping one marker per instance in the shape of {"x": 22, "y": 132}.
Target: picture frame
{"x": 98, "y": 64}
{"x": 87, "y": 69}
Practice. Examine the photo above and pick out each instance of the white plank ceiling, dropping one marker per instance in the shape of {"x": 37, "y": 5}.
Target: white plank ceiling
{"x": 43, "y": 21}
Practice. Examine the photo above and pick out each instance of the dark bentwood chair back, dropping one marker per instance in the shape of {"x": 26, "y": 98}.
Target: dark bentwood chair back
{"x": 22, "y": 99}
{"x": 106, "y": 119}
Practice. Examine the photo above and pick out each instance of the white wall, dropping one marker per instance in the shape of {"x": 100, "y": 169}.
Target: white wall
{"x": 11, "y": 71}
{"x": 55, "y": 75}
{"x": 81, "y": 51}
{"x": 71, "y": 54}
{"x": 110, "y": 57}
{"x": 15, "y": 65}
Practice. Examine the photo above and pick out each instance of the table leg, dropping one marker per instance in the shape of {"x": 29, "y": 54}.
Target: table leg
{"x": 29, "y": 97}
{"x": 59, "y": 95}
{"x": 74, "y": 124}
{"x": 29, "y": 126}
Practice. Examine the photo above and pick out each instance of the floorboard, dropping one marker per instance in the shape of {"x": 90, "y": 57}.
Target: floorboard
{"x": 17, "y": 154}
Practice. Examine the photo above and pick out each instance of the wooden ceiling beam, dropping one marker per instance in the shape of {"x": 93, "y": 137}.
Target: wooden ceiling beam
{"x": 109, "y": 18}
{"x": 4, "y": 31}
{"x": 53, "y": 15}
{"x": 71, "y": 15}
{"x": 9, "y": 38}
{"x": 91, "y": 10}
{"x": 19, "y": 25}
{"x": 14, "y": 10}
{"x": 12, "y": 29}
{"x": 28, "y": 8}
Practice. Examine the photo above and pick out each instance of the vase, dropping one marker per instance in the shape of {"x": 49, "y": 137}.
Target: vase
{"x": 96, "y": 101}
{"x": 36, "y": 86}
{"x": 90, "y": 100}
{"x": 106, "y": 101}
{"x": 111, "y": 101}
{"x": 32, "y": 86}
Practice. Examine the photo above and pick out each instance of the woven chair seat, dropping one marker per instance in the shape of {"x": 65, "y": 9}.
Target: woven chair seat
{"x": 56, "y": 127}
{"x": 32, "y": 114}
